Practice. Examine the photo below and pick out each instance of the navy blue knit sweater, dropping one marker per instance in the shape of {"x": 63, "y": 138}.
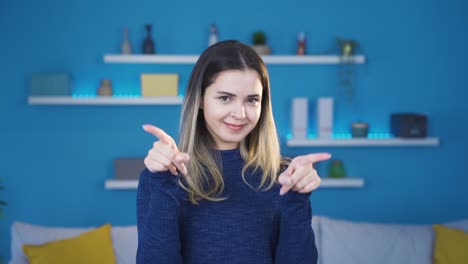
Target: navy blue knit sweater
{"x": 248, "y": 227}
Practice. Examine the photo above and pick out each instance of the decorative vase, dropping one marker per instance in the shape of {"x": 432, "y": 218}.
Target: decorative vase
{"x": 213, "y": 35}
{"x": 126, "y": 47}
{"x": 106, "y": 88}
{"x": 148, "y": 44}
{"x": 301, "y": 42}
{"x": 336, "y": 169}
{"x": 359, "y": 130}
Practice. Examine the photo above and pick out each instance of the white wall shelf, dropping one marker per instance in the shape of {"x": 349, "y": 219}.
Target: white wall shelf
{"x": 348, "y": 182}
{"x": 151, "y": 59}
{"x": 326, "y": 183}
{"x": 121, "y": 184}
{"x": 268, "y": 59}
{"x": 364, "y": 142}
{"x": 68, "y": 100}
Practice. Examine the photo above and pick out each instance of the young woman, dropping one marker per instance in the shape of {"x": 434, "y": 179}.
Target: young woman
{"x": 225, "y": 207}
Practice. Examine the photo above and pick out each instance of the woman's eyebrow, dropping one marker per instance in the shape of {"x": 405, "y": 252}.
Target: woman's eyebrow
{"x": 231, "y": 94}
{"x": 226, "y": 93}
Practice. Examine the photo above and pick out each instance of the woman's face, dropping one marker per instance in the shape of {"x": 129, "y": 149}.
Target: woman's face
{"x": 231, "y": 106}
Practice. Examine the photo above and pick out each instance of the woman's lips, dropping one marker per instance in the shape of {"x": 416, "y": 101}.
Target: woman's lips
{"x": 234, "y": 127}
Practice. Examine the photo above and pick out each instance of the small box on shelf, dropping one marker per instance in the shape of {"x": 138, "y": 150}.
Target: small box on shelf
{"x": 155, "y": 85}
{"x": 50, "y": 84}
{"x": 299, "y": 117}
{"x": 128, "y": 168}
{"x": 325, "y": 117}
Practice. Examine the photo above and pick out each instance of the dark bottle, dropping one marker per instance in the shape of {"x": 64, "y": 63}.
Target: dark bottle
{"x": 148, "y": 44}
{"x": 301, "y": 42}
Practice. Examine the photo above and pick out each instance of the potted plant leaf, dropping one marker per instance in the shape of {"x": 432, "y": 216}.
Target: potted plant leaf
{"x": 348, "y": 47}
{"x": 346, "y": 66}
{"x": 259, "y": 41}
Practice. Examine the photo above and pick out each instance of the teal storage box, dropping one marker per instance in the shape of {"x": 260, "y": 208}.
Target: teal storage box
{"x": 50, "y": 84}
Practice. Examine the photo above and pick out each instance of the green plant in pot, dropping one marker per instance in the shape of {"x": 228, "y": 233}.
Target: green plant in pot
{"x": 259, "y": 41}
{"x": 348, "y": 47}
{"x": 346, "y": 67}
{"x": 336, "y": 169}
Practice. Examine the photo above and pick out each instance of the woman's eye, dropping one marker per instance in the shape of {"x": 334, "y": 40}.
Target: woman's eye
{"x": 253, "y": 100}
{"x": 224, "y": 98}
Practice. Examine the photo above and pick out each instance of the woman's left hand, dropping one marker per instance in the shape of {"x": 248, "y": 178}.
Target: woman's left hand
{"x": 300, "y": 176}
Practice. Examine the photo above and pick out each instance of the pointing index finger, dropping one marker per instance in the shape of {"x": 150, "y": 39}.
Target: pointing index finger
{"x": 316, "y": 157}
{"x": 159, "y": 133}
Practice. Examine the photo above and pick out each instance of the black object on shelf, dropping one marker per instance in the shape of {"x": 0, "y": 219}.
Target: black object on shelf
{"x": 148, "y": 43}
{"x": 408, "y": 125}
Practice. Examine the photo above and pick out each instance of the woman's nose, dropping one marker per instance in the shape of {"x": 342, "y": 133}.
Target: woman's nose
{"x": 238, "y": 112}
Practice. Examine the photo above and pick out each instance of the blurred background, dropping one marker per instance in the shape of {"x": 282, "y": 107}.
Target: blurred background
{"x": 55, "y": 159}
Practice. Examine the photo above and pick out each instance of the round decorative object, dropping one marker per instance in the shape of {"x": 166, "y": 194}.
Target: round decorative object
{"x": 106, "y": 88}
{"x": 359, "y": 130}
{"x": 336, "y": 169}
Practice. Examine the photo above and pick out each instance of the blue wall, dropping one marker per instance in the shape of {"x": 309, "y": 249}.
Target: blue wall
{"x": 55, "y": 159}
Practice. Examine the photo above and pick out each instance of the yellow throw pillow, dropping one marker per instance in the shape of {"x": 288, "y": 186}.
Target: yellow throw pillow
{"x": 450, "y": 245}
{"x": 92, "y": 247}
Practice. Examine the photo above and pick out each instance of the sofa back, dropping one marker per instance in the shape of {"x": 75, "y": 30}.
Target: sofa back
{"x": 124, "y": 240}
{"x": 338, "y": 241}
{"x": 341, "y": 241}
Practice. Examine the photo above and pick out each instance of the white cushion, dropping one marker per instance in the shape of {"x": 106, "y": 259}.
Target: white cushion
{"x": 316, "y": 228}
{"x": 460, "y": 224}
{"x": 368, "y": 243}
{"x": 124, "y": 240}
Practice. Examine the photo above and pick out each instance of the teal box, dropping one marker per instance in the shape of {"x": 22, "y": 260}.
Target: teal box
{"x": 50, "y": 84}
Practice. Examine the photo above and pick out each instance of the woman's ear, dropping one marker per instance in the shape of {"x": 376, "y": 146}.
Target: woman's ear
{"x": 201, "y": 103}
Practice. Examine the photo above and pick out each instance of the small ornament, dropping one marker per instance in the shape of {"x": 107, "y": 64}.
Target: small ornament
{"x": 301, "y": 42}
{"x": 359, "y": 130}
{"x": 148, "y": 44}
{"x": 126, "y": 47}
{"x": 213, "y": 35}
{"x": 106, "y": 88}
{"x": 259, "y": 40}
{"x": 336, "y": 169}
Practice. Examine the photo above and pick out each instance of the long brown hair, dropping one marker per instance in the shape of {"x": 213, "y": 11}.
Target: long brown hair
{"x": 260, "y": 149}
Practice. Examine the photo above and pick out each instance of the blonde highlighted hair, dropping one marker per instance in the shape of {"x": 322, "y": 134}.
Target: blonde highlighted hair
{"x": 260, "y": 149}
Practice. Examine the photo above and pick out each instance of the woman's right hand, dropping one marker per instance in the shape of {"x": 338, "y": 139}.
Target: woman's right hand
{"x": 164, "y": 155}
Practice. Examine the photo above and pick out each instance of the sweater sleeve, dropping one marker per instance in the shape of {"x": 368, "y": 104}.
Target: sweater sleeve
{"x": 296, "y": 240}
{"x": 157, "y": 219}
